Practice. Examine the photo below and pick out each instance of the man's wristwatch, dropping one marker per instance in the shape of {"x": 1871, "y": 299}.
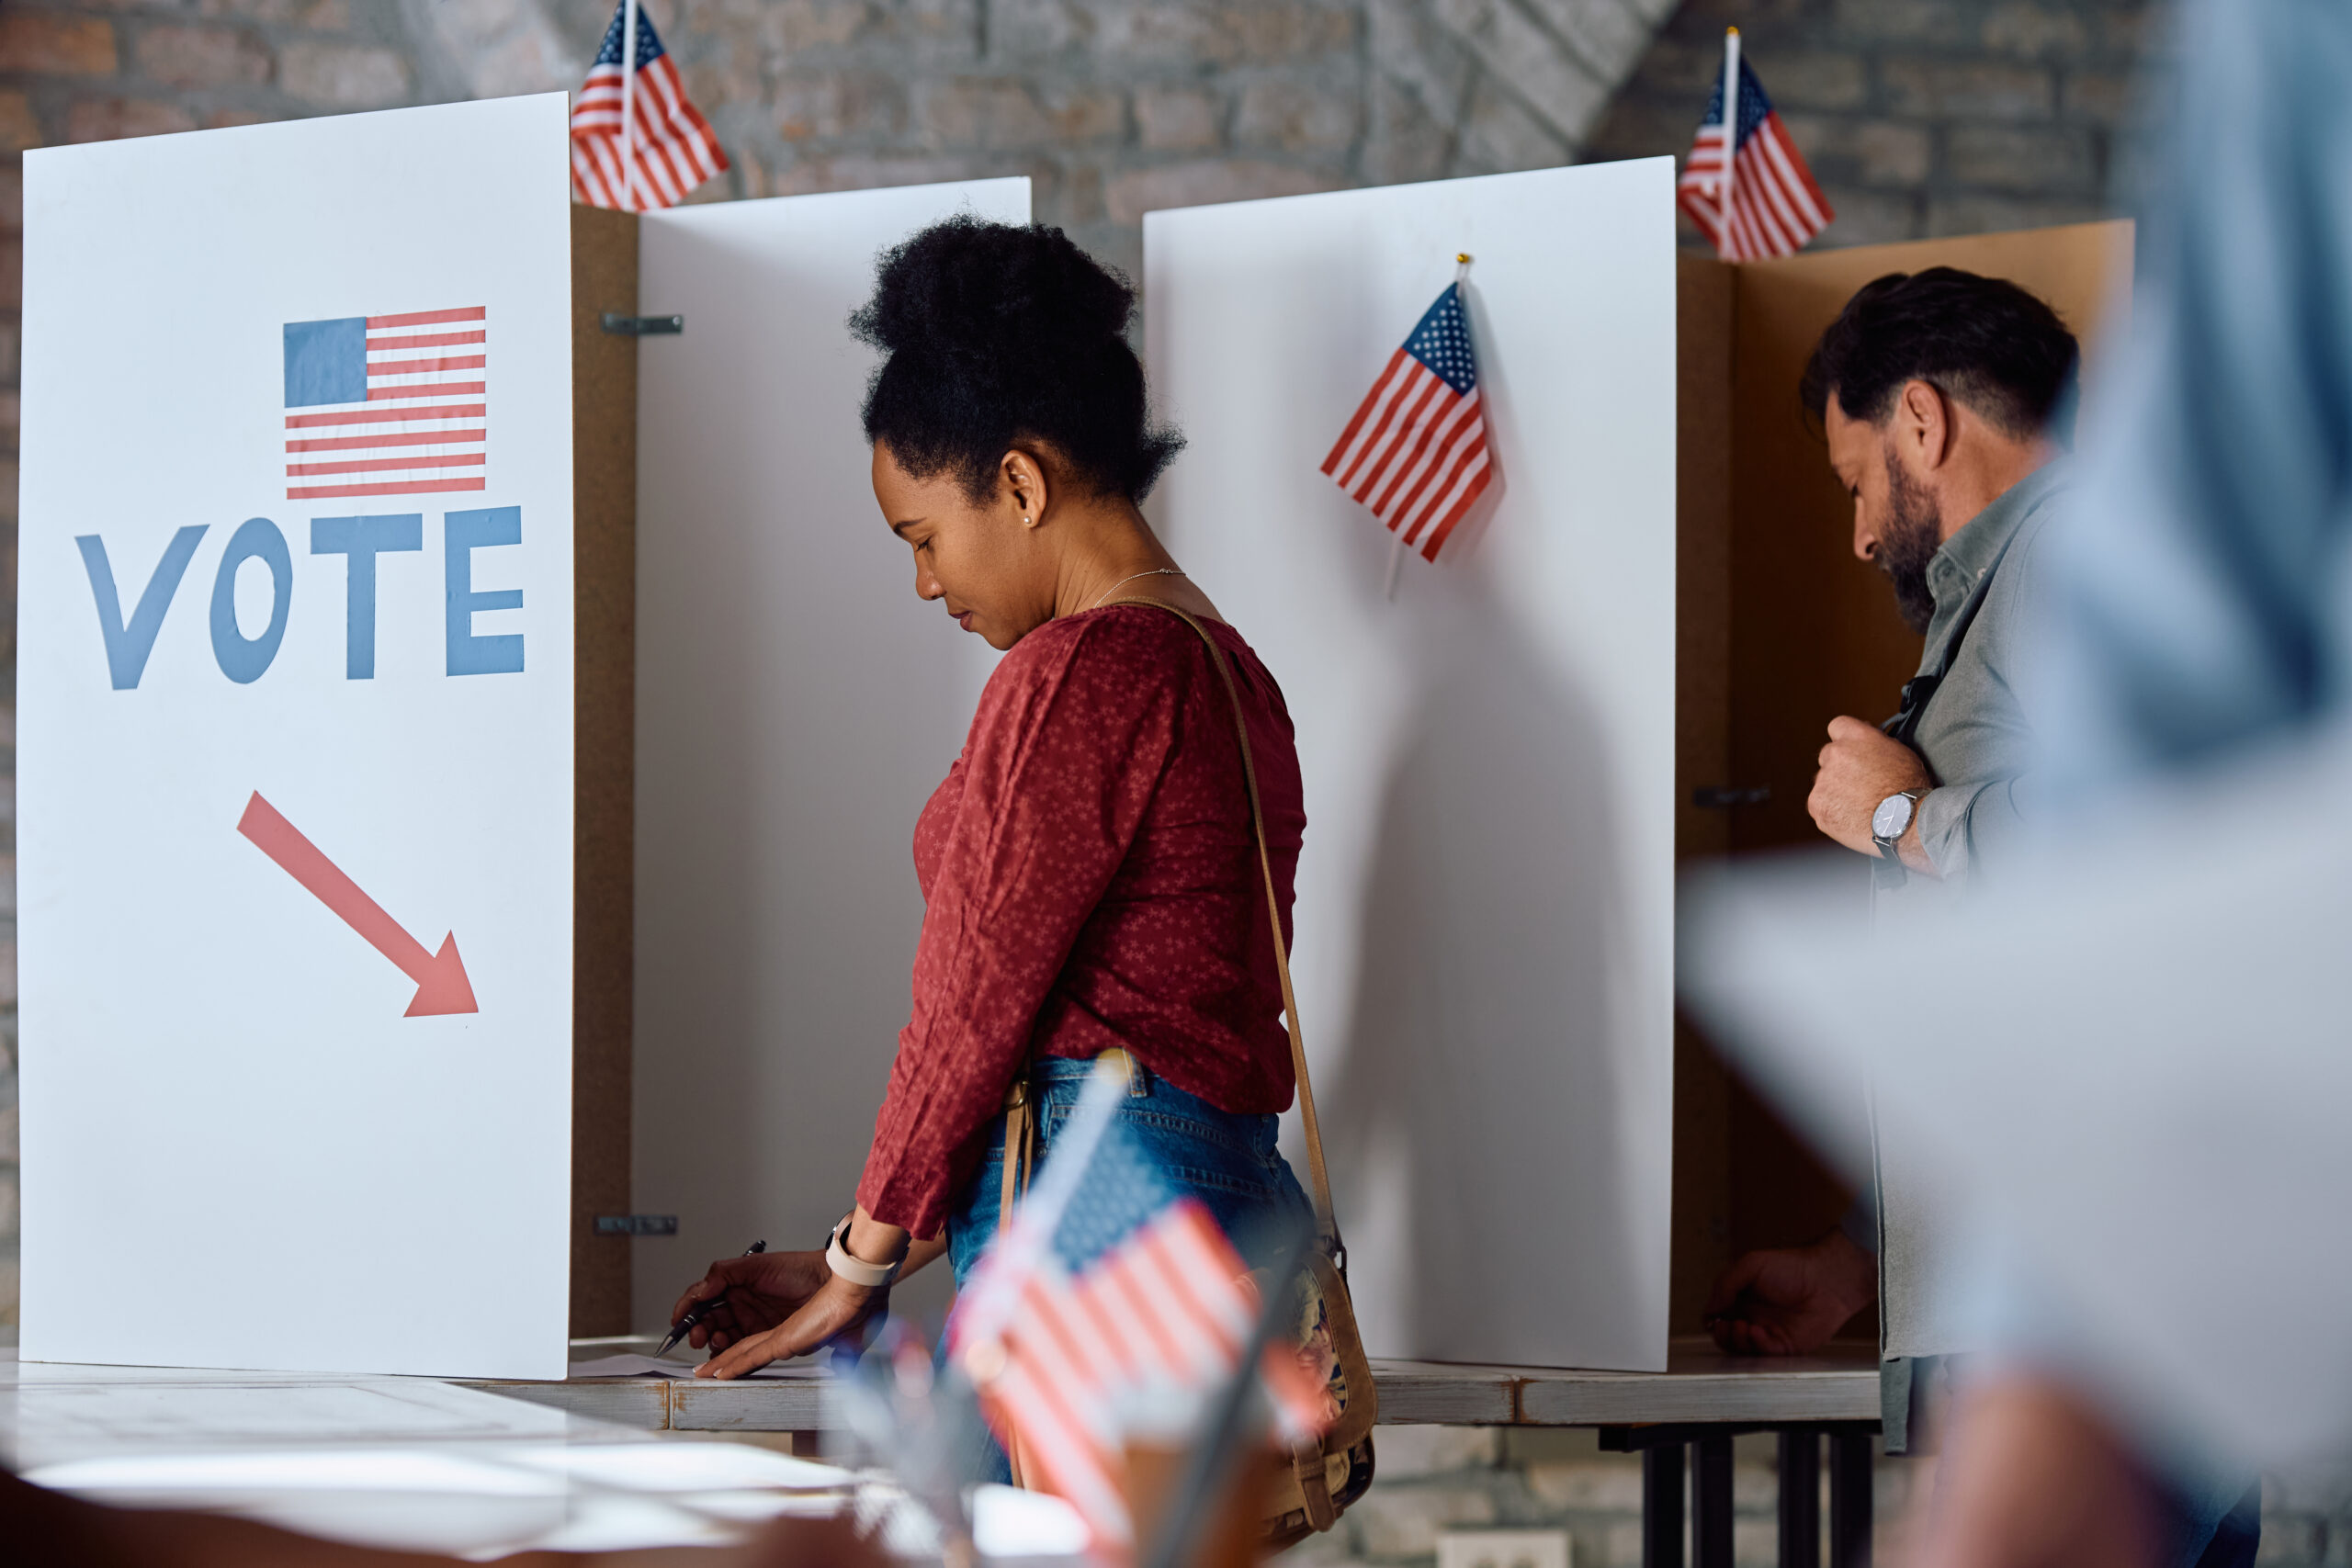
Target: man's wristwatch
{"x": 1892, "y": 820}
{"x": 850, "y": 1267}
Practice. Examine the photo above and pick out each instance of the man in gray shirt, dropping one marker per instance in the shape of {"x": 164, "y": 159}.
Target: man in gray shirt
{"x": 1945, "y": 398}
{"x": 1936, "y": 390}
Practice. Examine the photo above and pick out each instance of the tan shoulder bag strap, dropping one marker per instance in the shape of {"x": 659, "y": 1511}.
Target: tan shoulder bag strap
{"x": 1319, "y": 1179}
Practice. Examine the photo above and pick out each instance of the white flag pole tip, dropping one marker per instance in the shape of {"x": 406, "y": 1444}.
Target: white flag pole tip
{"x": 1725, "y": 246}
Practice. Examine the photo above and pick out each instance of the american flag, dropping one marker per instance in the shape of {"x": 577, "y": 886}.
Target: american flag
{"x": 1415, "y": 451}
{"x": 386, "y": 405}
{"x": 675, "y": 150}
{"x": 1104, "y": 1286}
{"x": 1775, "y": 206}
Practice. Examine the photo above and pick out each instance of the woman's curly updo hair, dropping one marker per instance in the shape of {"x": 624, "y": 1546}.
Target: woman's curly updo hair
{"x": 993, "y": 334}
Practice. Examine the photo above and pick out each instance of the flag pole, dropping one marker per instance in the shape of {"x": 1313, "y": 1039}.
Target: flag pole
{"x": 1731, "y": 141}
{"x": 628, "y": 105}
{"x": 1396, "y": 550}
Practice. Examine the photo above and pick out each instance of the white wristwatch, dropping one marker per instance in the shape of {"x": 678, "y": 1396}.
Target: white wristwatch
{"x": 1892, "y": 820}
{"x": 856, "y": 1270}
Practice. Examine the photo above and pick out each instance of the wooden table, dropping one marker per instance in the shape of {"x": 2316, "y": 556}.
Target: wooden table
{"x": 1694, "y": 1408}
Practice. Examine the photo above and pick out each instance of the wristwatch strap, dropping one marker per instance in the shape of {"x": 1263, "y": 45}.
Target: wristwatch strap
{"x": 856, "y": 1270}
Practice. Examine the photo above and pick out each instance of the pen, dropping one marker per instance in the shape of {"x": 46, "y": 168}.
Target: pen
{"x": 693, "y": 1319}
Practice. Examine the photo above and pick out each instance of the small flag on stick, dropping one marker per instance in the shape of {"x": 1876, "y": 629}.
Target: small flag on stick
{"x": 1416, "y": 450}
{"x": 638, "y": 141}
{"x": 1764, "y": 201}
{"x": 1107, "y": 1284}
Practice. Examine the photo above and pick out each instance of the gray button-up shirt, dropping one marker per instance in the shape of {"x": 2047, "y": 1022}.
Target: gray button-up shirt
{"x": 1975, "y": 733}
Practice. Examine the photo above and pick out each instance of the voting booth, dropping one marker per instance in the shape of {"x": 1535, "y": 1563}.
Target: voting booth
{"x": 298, "y": 778}
{"x": 1783, "y": 628}
{"x": 1634, "y": 662}
{"x": 473, "y": 719}
{"x": 329, "y": 709}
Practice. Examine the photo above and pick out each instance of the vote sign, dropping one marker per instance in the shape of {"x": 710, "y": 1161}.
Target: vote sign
{"x": 295, "y": 745}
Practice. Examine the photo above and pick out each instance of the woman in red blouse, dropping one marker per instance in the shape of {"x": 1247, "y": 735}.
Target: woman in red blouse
{"x": 1089, "y": 867}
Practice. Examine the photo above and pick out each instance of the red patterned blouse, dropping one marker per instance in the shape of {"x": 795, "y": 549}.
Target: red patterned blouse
{"x": 1090, "y": 880}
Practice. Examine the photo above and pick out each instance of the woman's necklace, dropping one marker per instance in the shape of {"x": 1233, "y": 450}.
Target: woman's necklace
{"x": 1156, "y": 571}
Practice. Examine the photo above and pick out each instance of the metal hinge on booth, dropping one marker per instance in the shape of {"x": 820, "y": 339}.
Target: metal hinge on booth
{"x": 636, "y": 1224}
{"x": 644, "y": 326}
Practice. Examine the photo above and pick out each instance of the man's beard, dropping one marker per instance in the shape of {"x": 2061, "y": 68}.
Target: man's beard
{"x": 1914, "y": 534}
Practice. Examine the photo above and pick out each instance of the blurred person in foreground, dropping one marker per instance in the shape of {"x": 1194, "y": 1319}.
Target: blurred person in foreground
{"x": 1945, "y": 399}
{"x": 2202, "y": 605}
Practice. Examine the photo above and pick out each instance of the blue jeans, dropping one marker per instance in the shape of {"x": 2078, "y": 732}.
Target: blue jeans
{"x": 1227, "y": 1161}
{"x": 2229, "y": 1540}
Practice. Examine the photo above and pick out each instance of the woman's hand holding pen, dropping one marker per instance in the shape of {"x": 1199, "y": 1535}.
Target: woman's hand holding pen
{"x": 784, "y": 1304}
{"x": 835, "y": 1308}
{"x": 760, "y": 1291}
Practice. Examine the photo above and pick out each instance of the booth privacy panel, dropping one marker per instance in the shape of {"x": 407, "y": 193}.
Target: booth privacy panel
{"x": 1486, "y": 896}
{"x": 295, "y": 704}
{"x": 796, "y": 705}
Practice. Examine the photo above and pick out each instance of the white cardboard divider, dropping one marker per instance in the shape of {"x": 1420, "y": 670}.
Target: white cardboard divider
{"x": 796, "y": 705}
{"x": 1485, "y": 900}
{"x": 239, "y": 1151}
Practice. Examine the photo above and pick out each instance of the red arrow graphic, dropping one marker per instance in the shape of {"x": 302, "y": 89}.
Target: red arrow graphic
{"x": 441, "y": 983}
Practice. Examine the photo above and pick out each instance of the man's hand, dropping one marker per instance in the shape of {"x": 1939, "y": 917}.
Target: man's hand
{"x": 1860, "y": 767}
{"x": 1788, "y": 1301}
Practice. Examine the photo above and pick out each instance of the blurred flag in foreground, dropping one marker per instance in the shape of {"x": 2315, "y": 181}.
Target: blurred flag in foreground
{"x": 672, "y": 145}
{"x": 1415, "y": 451}
{"x": 1107, "y": 1289}
{"x": 1765, "y": 203}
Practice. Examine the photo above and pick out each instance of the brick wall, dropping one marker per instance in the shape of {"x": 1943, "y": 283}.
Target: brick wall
{"x": 1113, "y": 107}
{"x": 1920, "y": 118}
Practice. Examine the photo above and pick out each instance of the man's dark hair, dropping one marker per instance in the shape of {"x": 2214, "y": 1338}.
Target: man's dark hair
{"x": 1982, "y": 341}
{"x": 994, "y": 333}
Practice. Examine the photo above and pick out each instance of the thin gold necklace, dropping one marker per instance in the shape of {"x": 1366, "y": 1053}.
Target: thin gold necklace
{"x": 1155, "y": 571}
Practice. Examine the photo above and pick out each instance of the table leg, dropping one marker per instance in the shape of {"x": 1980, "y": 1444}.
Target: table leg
{"x": 1800, "y": 1497}
{"x": 1850, "y": 1499}
{"x": 1662, "y": 1506}
{"x": 1710, "y": 1503}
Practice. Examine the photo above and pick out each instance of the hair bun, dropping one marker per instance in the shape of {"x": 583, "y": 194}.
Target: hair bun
{"x": 998, "y": 290}
{"x": 995, "y": 331}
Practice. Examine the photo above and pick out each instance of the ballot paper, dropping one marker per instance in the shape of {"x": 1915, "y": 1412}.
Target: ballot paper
{"x": 626, "y": 1366}
{"x": 2134, "y": 1058}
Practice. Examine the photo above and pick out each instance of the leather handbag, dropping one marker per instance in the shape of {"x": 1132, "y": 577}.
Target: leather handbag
{"x": 1325, "y": 1475}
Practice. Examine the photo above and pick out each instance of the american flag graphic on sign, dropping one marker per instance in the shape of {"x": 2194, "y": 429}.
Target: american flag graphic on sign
{"x": 1128, "y": 1286}
{"x": 386, "y": 405}
{"x": 674, "y": 146}
{"x": 1415, "y": 451}
{"x": 1775, "y": 206}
